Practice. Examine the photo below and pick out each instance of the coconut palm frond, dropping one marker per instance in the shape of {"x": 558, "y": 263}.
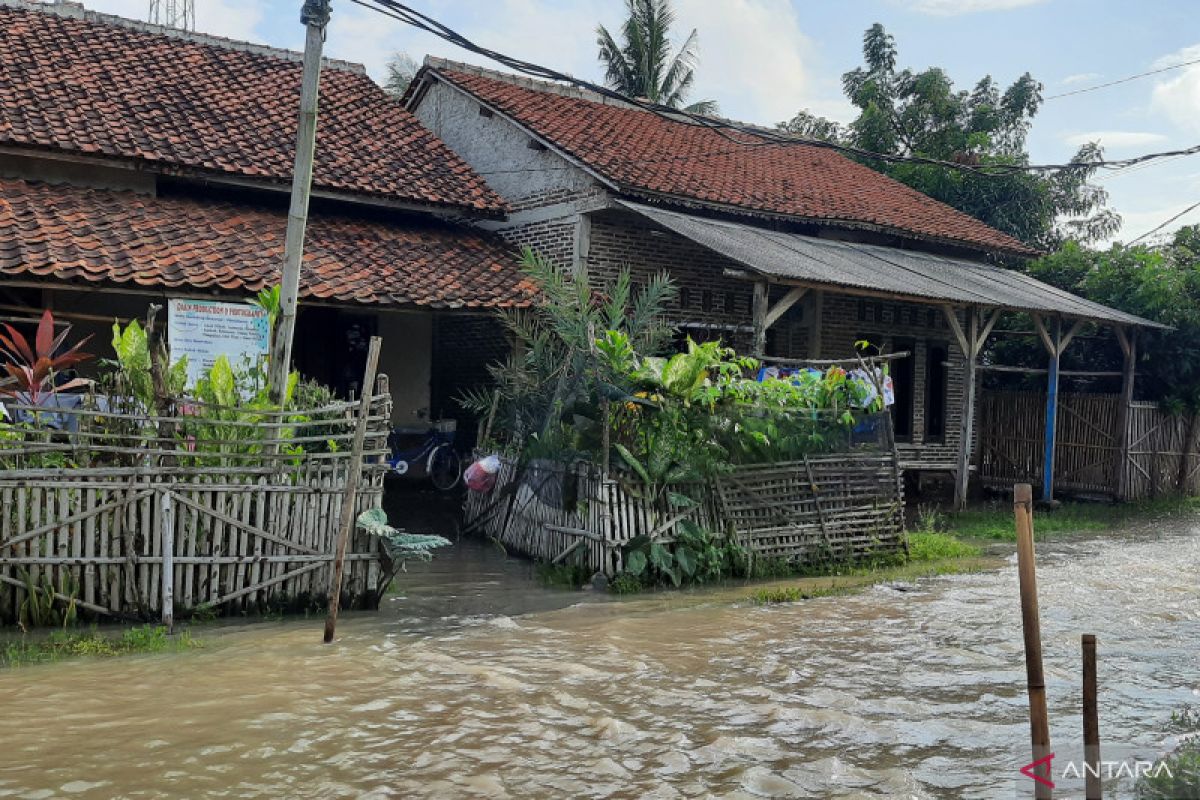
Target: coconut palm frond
{"x": 643, "y": 66}
{"x": 679, "y": 75}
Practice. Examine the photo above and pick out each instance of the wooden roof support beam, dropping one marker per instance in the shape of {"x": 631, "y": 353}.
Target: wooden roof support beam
{"x": 758, "y": 314}
{"x": 971, "y": 342}
{"x": 1128, "y": 339}
{"x": 794, "y": 295}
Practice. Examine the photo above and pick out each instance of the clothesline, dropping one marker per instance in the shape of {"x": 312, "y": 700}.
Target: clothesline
{"x": 836, "y": 362}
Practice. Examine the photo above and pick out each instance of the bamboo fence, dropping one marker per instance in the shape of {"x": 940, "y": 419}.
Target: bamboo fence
{"x": 128, "y": 516}
{"x": 1163, "y": 454}
{"x": 844, "y": 506}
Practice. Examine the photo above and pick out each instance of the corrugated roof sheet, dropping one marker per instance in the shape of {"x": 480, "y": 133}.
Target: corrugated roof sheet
{"x": 907, "y": 273}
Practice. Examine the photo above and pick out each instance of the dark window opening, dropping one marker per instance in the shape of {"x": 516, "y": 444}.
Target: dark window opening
{"x": 730, "y": 303}
{"x": 685, "y": 297}
{"x": 706, "y": 300}
{"x": 903, "y": 380}
{"x": 936, "y": 383}
{"x": 331, "y": 347}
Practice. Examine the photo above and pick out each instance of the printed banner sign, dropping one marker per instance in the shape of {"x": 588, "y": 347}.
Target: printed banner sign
{"x": 202, "y": 330}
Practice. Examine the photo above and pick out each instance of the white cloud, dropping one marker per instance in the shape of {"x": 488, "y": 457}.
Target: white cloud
{"x": 1081, "y": 77}
{"x": 228, "y": 18}
{"x": 1177, "y": 95}
{"x": 949, "y": 8}
{"x": 754, "y": 57}
{"x": 1115, "y": 139}
{"x": 1136, "y": 223}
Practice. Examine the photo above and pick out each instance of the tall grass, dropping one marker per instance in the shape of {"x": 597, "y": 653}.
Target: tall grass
{"x": 60, "y": 645}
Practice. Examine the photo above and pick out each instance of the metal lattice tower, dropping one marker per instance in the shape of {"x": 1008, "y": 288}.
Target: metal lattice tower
{"x": 174, "y": 13}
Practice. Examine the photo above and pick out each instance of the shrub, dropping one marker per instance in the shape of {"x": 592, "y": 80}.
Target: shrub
{"x": 926, "y": 546}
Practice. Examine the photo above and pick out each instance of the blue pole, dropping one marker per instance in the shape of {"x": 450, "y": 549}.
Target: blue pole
{"x": 1051, "y": 423}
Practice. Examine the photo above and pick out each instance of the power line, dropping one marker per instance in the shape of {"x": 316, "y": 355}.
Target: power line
{"x": 1155, "y": 230}
{"x": 1122, "y": 80}
{"x": 741, "y": 134}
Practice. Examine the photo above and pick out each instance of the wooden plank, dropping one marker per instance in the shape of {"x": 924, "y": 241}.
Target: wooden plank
{"x": 167, "y": 532}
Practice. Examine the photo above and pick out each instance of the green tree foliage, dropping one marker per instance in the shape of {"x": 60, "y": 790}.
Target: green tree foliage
{"x": 401, "y": 69}
{"x": 1159, "y": 283}
{"x": 907, "y": 113}
{"x": 555, "y": 368}
{"x": 642, "y": 65}
{"x": 808, "y": 125}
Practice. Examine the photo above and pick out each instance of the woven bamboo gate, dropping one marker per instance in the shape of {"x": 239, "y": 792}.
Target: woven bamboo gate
{"x": 845, "y": 506}
{"x": 1163, "y": 451}
{"x": 166, "y": 515}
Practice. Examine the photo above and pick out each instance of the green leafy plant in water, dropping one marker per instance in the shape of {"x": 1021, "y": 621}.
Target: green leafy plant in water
{"x": 401, "y": 545}
{"x": 1181, "y": 777}
{"x": 42, "y": 607}
{"x": 696, "y": 556}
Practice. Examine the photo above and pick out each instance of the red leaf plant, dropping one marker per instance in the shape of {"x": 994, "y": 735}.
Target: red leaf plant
{"x": 33, "y": 369}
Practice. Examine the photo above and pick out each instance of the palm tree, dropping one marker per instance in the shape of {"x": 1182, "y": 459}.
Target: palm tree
{"x": 642, "y": 66}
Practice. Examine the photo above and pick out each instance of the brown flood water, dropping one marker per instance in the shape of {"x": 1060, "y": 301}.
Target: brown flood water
{"x": 475, "y": 682}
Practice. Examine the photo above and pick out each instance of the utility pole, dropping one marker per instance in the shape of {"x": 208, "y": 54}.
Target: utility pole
{"x": 315, "y": 16}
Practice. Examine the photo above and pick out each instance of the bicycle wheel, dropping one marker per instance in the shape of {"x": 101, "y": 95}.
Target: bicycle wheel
{"x": 444, "y": 468}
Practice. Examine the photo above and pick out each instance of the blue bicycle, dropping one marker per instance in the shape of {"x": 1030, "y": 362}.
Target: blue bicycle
{"x": 431, "y": 449}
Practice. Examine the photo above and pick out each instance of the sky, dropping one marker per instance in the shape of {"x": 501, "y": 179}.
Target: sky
{"x": 763, "y": 60}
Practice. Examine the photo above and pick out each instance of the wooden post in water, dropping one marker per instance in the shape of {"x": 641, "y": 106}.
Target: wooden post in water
{"x": 1039, "y": 723}
{"x": 166, "y": 523}
{"x": 1094, "y": 790}
{"x": 353, "y": 471}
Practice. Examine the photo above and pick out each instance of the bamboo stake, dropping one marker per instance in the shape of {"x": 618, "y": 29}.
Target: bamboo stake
{"x": 1094, "y": 789}
{"x": 167, "y": 529}
{"x": 353, "y": 468}
{"x": 1039, "y": 724}
{"x": 315, "y": 16}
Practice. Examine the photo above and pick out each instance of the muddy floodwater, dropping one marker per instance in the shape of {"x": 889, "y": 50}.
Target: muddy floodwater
{"x": 475, "y": 682}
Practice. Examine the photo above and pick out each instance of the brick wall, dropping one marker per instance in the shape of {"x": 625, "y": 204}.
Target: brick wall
{"x": 464, "y": 345}
{"x": 553, "y": 238}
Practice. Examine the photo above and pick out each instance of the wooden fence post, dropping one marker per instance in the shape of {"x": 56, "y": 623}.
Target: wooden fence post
{"x": 1039, "y": 724}
{"x": 1122, "y": 475}
{"x": 353, "y": 471}
{"x": 166, "y": 522}
{"x": 1094, "y": 790}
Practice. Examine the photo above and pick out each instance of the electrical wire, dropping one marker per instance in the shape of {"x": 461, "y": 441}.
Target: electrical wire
{"x": 739, "y": 133}
{"x": 1155, "y": 230}
{"x": 1121, "y": 80}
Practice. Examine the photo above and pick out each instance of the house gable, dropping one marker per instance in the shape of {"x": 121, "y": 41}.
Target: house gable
{"x": 518, "y": 166}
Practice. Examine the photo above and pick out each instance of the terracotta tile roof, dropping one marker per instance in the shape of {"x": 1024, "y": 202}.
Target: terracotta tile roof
{"x": 82, "y": 235}
{"x": 106, "y": 89}
{"x": 643, "y": 153}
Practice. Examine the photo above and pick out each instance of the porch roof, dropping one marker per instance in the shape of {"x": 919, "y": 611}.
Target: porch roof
{"x": 86, "y": 236}
{"x": 864, "y": 268}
